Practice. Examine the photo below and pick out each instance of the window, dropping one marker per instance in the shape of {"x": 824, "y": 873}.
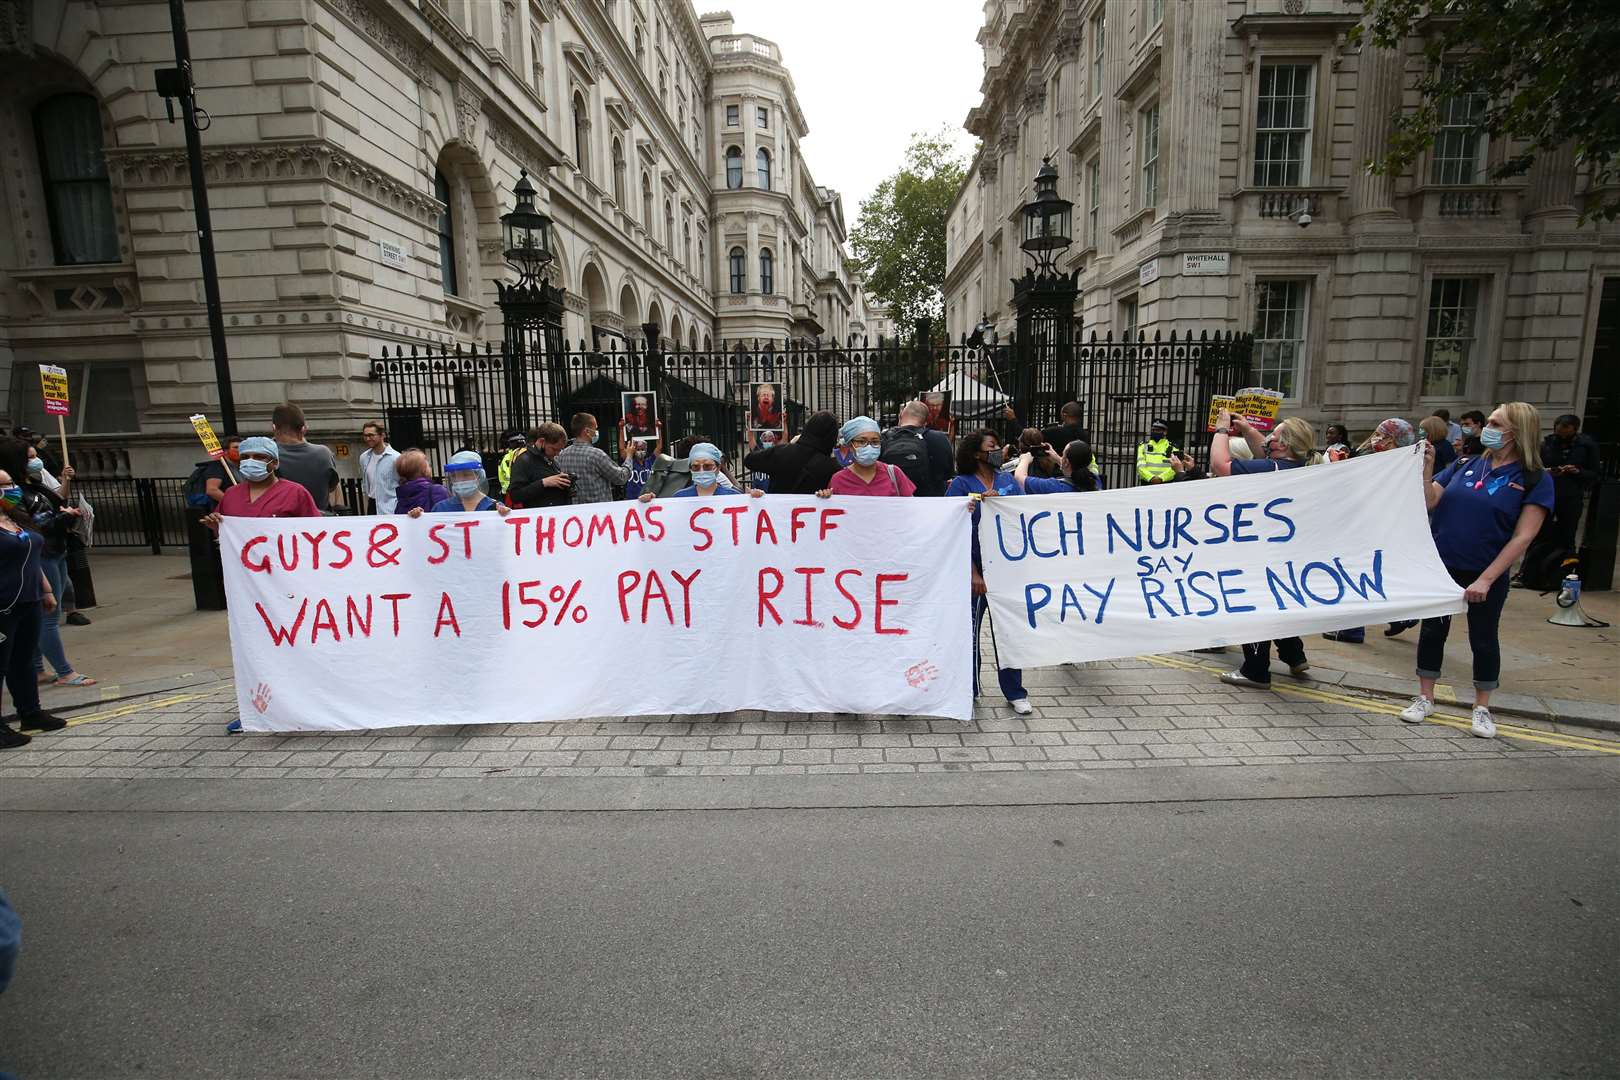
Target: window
{"x": 618, "y": 173}
{"x": 762, "y": 162}
{"x": 1098, "y": 38}
{"x": 733, "y": 167}
{"x": 641, "y": 44}
{"x": 739, "y": 272}
{"x": 582, "y": 135}
{"x": 1279, "y": 332}
{"x": 733, "y": 117}
{"x": 646, "y": 202}
{"x": 669, "y": 226}
{"x": 78, "y": 198}
{"x": 1148, "y": 134}
{"x": 762, "y": 117}
{"x": 1093, "y": 200}
{"x": 1282, "y": 126}
{"x": 1127, "y": 316}
{"x": 447, "y": 237}
{"x": 1459, "y": 146}
{"x": 1448, "y": 346}
{"x": 1155, "y": 14}
{"x": 686, "y": 244}
{"x": 107, "y": 391}
{"x": 767, "y": 274}
{"x": 663, "y": 87}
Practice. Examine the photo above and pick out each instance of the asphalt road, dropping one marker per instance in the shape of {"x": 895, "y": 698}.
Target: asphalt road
{"x": 1460, "y": 935}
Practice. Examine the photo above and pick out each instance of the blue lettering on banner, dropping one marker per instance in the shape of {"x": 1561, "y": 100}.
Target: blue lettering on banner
{"x": 1027, "y": 529}
{"x": 1038, "y": 596}
{"x": 1306, "y": 586}
{"x": 1269, "y": 511}
{"x": 1023, "y": 536}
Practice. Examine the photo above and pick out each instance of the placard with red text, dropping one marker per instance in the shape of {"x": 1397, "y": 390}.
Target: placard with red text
{"x": 702, "y": 605}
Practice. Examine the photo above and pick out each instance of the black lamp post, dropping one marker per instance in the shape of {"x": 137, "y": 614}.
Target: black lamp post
{"x": 531, "y": 308}
{"x": 1047, "y": 221}
{"x": 1045, "y": 298}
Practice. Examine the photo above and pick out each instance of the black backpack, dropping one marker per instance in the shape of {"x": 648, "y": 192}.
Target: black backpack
{"x": 196, "y": 489}
{"x": 907, "y": 450}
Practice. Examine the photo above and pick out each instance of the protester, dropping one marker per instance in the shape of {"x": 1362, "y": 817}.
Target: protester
{"x": 416, "y": 490}
{"x": 866, "y": 474}
{"x": 1483, "y": 513}
{"x": 26, "y": 592}
{"x": 304, "y": 462}
{"x": 1185, "y": 469}
{"x": 672, "y": 472}
{"x": 1067, "y": 472}
{"x": 923, "y": 454}
{"x": 1289, "y": 446}
{"x": 704, "y": 461}
{"x": 803, "y": 466}
{"x": 1388, "y": 435}
{"x": 63, "y": 489}
{"x": 1434, "y": 430}
{"x": 54, "y": 521}
{"x": 537, "y": 480}
{"x": 1337, "y": 433}
{"x": 469, "y": 488}
{"x": 978, "y": 473}
{"x": 42, "y": 447}
{"x": 1473, "y": 422}
{"x": 1153, "y": 456}
{"x": 1068, "y": 429}
{"x": 1453, "y": 429}
{"x": 212, "y": 478}
{"x": 593, "y": 472}
{"x": 1571, "y": 459}
{"x": 637, "y": 455}
{"x": 378, "y": 475}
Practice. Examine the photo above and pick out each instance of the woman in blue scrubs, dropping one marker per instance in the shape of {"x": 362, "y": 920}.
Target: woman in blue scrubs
{"x": 1483, "y": 513}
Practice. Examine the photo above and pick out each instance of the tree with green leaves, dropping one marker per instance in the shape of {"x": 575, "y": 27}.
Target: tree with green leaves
{"x": 899, "y": 239}
{"x": 1542, "y": 73}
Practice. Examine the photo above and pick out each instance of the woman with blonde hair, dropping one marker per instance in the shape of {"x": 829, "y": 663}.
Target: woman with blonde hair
{"x": 1290, "y": 445}
{"x": 1483, "y": 512}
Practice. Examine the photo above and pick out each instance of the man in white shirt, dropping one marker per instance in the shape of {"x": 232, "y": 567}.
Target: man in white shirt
{"x": 377, "y": 467}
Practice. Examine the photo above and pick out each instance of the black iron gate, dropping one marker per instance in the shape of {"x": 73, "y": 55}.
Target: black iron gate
{"x": 444, "y": 401}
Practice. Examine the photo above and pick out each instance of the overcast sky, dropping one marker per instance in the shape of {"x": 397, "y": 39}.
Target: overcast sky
{"x": 869, "y": 73}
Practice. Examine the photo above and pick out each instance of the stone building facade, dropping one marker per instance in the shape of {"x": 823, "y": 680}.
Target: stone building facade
{"x": 1214, "y": 150}
{"x": 359, "y": 154}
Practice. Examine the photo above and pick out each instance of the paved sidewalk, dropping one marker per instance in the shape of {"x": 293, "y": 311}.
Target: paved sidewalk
{"x": 1124, "y": 714}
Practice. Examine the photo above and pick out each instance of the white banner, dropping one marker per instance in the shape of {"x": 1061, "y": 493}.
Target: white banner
{"x": 1211, "y": 562}
{"x": 704, "y": 605}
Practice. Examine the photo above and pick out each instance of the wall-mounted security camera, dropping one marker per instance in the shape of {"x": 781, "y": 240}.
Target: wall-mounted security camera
{"x": 1303, "y": 219}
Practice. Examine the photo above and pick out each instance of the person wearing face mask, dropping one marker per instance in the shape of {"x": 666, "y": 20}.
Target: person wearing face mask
{"x": 1388, "y": 435}
{"x": 1483, "y": 514}
{"x": 1066, "y": 473}
{"x": 978, "y": 473}
{"x": 865, "y": 474}
{"x": 593, "y": 472}
{"x": 26, "y": 595}
{"x": 469, "y": 488}
{"x": 56, "y": 522}
{"x": 638, "y": 456}
{"x": 704, "y": 461}
{"x": 1473, "y": 422}
{"x": 804, "y": 466}
{"x": 262, "y": 492}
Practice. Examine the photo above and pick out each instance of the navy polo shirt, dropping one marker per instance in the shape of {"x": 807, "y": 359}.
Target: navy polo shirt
{"x": 1242, "y": 467}
{"x": 1479, "y": 509}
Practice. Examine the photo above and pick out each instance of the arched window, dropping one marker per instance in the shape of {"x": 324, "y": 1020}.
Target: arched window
{"x": 618, "y": 173}
{"x": 582, "y": 135}
{"x": 447, "y": 237}
{"x": 78, "y": 198}
{"x": 739, "y": 271}
{"x": 733, "y": 167}
{"x": 646, "y": 202}
{"x": 669, "y": 227}
{"x": 767, "y": 271}
{"x": 763, "y": 161}
{"x": 686, "y": 244}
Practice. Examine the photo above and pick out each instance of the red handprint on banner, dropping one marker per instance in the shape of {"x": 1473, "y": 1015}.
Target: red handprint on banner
{"x": 261, "y": 697}
{"x": 921, "y": 674}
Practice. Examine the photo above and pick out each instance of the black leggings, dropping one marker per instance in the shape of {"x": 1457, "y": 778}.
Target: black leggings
{"x": 1483, "y": 620}
{"x": 20, "y": 625}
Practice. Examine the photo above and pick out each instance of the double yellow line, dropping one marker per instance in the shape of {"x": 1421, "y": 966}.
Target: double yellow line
{"x": 1461, "y": 723}
{"x": 126, "y": 710}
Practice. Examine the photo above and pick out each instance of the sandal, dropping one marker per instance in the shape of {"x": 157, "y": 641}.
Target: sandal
{"x": 75, "y": 679}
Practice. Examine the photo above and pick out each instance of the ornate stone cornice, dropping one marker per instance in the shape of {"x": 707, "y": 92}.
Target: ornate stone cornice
{"x": 382, "y": 32}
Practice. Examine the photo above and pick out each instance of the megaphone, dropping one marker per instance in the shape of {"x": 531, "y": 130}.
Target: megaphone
{"x": 1568, "y": 611}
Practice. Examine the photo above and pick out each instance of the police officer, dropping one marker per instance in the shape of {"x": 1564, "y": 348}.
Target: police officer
{"x": 515, "y": 446}
{"x": 1153, "y": 457}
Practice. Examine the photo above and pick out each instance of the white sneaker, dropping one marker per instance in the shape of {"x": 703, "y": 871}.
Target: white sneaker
{"x": 1483, "y": 726}
{"x": 1022, "y": 707}
{"x": 1418, "y": 711}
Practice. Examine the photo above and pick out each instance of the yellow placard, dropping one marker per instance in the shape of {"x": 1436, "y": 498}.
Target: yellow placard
{"x": 1216, "y": 404}
{"x": 53, "y": 383}
{"x": 205, "y": 432}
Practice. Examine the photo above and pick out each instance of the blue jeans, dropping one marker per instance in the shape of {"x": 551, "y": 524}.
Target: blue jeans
{"x": 50, "y": 633}
{"x": 1011, "y": 679}
{"x": 1483, "y": 620}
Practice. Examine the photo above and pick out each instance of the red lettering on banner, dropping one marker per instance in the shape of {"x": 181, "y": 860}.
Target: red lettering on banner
{"x": 655, "y": 587}
{"x": 394, "y": 598}
{"x": 762, "y": 525}
{"x": 524, "y": 600}
{"x": 281, "y": 552}
{"x": 447, "y": 616}
{"x": 827, "y": 522}
{"x": 258, "y": 567}
{"x": 654, "y": 521}
{"x": 795, "y": 526}
{"x": 378, "y": 554}
{"x": 545, "y": 534}
{"x": 577, "y": 528}
{"x": 838, "y": 582}
{"x": 355, "y": 619}
{"x": 686, "y": 592}
{"x": 809, "y": 573}
{"x": 602, "y": 525}
{"x": 517, "y": 521}
{"x": 879, "y": 604}
{"x": 283, "y": 635}
{"x": 632, "y": 523}
{"x": 692, "y": 523}
{"x": 467, "y": 525}
{"x": 315, "y": 548}
{"x": 444, "y": 548}
{"x": 735, "y": 512}
{"x": 340, "y": 540}
{"x": 326, "y": 620}
{"x": 628, "y": 580}
{"x": 765, "y": 598}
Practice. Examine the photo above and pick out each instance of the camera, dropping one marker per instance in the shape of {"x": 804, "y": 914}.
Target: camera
{"x": 1303, "y": 218}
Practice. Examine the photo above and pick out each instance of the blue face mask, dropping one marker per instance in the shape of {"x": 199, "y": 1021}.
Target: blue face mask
{"x": 706, "y": 479}
{"x": 253, "y": 469}
{"x": 595, "y": 434}
{"x": 35, "y": 465}
{"x": 464, "y": 488}
{"x": 1490, "y": 438}
{"x": 868, "y": 455}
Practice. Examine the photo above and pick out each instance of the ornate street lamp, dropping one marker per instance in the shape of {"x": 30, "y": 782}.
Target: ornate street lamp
{"x": 531, "y": 307}
{"x": 1047, "y": 221}
{"x": 528, "y": 234}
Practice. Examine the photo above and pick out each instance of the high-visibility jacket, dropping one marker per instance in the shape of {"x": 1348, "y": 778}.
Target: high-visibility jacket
{"x": 503, "y": 472}
{"x": 1153, "y": 461}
